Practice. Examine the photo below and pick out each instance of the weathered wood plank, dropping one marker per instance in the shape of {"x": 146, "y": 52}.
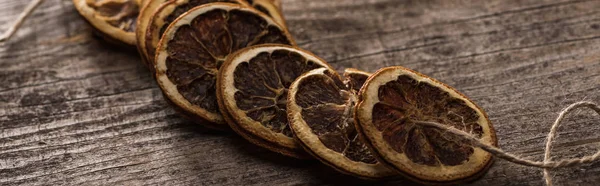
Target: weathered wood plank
{"x": 75, "y": 110}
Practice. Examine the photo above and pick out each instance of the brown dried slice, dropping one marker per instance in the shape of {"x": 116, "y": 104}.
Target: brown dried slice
{"x": 394, "y": 98}
{"x": 271, "y": 8}
{"x": 144, "y": 17}
{"x": 115, "y": 19}
{"x": 253, "y": 88}
{"x": 321, "y": 114}
{"x": 276, "y": 3}
{"x": 196, "y": 44}
{"x": 164, "y": 15}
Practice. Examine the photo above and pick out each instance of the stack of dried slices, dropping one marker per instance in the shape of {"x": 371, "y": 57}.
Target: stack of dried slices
{"x": 232, "y": 64}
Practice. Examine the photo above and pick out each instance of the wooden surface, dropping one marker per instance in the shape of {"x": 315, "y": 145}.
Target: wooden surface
{"x": 77, "y": 111}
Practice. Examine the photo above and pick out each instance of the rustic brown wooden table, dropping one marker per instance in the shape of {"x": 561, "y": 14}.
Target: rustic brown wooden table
{"x": 75, "y": 110}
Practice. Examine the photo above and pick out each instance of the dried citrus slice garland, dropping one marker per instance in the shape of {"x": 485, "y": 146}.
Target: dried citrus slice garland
{"x": 196, "y": 44}
{"x": 410, "y": 122}
{"x": 389, "y": 103}
{"x": 163, "y": 16}
{"x": 321, "y": 114}
{"x": 115, "y": 19}
{"x": 253, "y": 90}
{"x": 201, "y": 39}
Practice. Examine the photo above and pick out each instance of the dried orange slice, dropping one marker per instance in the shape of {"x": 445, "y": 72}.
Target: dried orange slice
{"x": 271, "y": 8}
{"x": 115, "y": 19}
{"x": 143, "y": 20}
{"x": 394, "y": 98}
{"x": 321, "y": 114}
{"x": 195, "y": 45}
{"x": 163, "y": 16}
{"x": 276, "y": 3}
{"x": 253, "y": 88}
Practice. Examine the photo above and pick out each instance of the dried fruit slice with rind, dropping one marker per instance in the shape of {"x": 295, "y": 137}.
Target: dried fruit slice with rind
{"x": 277, "y": 3}
{"x": 164, "y": 15}
{"x": 321, "y": 114}
{"x": 271, "y": 8}
{"x": 195, "y": 45}
{"x": 252, "y": 90}
{"x": 144, "y": 18}
{"x": 115, "y": 19}
{"x": 389, "y": 103}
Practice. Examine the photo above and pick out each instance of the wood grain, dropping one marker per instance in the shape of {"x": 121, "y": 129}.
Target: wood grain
{"x": 75, "y": 110}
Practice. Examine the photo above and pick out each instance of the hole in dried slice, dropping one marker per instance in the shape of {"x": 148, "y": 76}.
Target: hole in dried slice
{"x": 321, "y": 114}
{"x": 144, "y": 17}
{"x": 253, "y": 89}
{"x": 164, "y": 15}
{"x": 393, "y": 98}
{"x": 115, "y": 19}
{"x": 355, "y": 79}
{"x": 195, "y": 45}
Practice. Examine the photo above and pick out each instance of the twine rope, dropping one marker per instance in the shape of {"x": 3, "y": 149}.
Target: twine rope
{"x": 13, "y": 28}
{"x": 547, "y": 164}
